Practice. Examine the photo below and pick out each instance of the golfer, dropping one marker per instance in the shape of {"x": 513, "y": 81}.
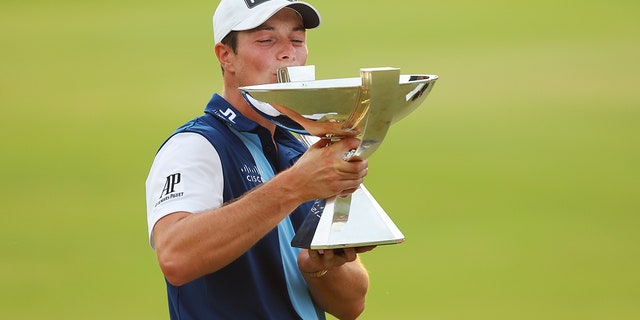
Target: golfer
{"x": 228, "y": 190}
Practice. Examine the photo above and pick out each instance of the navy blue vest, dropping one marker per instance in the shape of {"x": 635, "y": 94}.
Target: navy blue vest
{"x": 253, "y": 286}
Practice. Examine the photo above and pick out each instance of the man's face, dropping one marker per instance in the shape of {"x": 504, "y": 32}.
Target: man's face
{"x": 279, "y": 42}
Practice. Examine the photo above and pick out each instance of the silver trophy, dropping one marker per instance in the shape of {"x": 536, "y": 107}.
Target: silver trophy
{"x": 363, "y": 107}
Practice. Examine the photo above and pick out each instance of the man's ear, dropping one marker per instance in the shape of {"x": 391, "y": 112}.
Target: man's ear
{"x": 225, "y": 56}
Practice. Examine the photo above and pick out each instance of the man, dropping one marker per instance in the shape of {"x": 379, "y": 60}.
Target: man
{"x": 227, "y": 190}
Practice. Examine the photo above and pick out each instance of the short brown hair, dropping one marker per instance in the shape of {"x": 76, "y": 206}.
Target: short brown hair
{"x": 230, "y": 40}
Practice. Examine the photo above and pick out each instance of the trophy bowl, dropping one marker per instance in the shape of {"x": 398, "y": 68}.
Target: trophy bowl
{"x": 333, "y": 107}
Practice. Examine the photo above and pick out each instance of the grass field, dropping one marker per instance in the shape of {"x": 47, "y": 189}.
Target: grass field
{"x": 516, "y": 184}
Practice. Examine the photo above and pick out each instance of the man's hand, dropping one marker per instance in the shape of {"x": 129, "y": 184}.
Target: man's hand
{"x": 313, "y": 261}
{"x": 337, "y": 280}
{"x": 322, "y": 171}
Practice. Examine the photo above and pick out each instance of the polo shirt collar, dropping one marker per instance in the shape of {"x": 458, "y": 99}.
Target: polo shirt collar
{"x": 223, "y": 110}
{"x": 290, "y": 147}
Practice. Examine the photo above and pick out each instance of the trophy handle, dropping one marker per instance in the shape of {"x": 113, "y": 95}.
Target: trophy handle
{"x": 375, "y": 105}
{"x": 379, "y": 91}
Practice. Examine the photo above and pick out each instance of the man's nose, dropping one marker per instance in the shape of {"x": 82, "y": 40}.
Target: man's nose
{"x": 287, "y": 51}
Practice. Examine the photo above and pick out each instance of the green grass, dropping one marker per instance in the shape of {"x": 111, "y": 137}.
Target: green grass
{"x": 515, "y": 184}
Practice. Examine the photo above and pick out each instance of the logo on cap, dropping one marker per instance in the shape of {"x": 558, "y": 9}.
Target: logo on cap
{"x": 253, "y": 3}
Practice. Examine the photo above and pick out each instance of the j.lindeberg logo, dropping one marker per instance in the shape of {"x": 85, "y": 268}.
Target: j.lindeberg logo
{"x": 169, "y": 191}
{"x": 229, "y": 114}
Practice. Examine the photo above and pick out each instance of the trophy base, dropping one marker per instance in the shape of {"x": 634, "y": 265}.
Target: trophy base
{"x": 366, "y": 224}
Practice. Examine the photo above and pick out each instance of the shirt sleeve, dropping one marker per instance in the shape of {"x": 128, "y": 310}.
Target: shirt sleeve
{"x": 186, "y": 175}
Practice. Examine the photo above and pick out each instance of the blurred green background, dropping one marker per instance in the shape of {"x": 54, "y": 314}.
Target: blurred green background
{"x": 515, "y": 183}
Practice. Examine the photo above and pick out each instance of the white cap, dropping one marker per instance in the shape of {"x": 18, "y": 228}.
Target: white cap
{"x": 238, "y": 15}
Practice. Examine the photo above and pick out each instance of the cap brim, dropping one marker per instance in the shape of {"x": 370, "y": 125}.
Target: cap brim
{"x": 310, "y": 16}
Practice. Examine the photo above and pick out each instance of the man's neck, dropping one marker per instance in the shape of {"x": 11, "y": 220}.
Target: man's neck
{"x": 234, "y": 97}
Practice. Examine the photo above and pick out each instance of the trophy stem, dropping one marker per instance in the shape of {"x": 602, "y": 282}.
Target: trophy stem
{"x": 341, "y": 213}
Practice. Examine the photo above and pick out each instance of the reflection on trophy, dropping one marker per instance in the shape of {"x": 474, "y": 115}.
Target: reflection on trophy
{"x": 363, "y": 107}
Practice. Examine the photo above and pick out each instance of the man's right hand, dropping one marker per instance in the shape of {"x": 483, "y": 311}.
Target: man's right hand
{"x": 322, "y": 172}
